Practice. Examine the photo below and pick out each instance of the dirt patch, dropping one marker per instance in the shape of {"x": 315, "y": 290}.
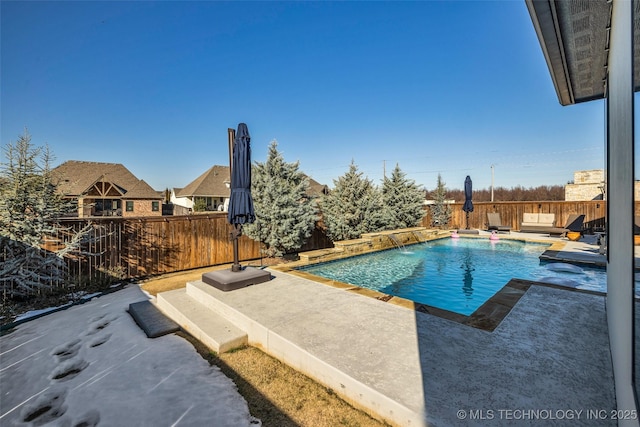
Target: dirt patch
{"x": 281, "y": 396}
{"x": 11, "y": 308}
{"x": 168, "y": 282}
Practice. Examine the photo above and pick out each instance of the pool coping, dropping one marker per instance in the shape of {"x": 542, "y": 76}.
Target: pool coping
{"x": 487, "y": 317}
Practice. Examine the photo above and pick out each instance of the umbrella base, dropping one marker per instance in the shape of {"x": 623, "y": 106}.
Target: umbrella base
{"x": 462, "y": 231}
{"x": 227, "y": 280}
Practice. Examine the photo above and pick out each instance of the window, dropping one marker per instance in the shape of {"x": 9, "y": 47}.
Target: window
{"x": 129, "y": 205}
{"x": 155, "y": 206}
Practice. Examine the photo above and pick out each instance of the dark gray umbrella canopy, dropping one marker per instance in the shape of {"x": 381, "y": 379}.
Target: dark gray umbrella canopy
{"x": 468, "y": 192}
{"x": 468, "y": 204}
{"x": 240, "y": 203}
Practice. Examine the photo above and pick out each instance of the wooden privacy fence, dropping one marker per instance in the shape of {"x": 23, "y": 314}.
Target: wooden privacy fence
{"x": 511, "y": 213}
{"x": 137, "y": 247}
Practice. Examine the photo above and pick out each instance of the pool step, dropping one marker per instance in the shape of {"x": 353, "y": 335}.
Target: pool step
{"x": 278, "y": 323}
{"x": 206, "y": 295}
{"x": 275, "y": 321}
{"x": 209, "y": 327}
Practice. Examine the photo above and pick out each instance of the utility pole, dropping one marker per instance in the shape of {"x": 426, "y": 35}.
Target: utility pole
{"x": 384, "y": 169}
{"x": 492, "y": 183}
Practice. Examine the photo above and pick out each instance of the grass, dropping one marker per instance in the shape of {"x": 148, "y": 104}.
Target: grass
{"x": 276, "y": 394}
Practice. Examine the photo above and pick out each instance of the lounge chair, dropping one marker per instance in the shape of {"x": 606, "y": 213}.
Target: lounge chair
{"x": 574, "y": 223}
{"x": 495, "y": 223}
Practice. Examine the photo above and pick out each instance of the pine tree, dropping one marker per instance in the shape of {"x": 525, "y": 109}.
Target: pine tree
{"x": 403, "y": 201}
{"x": 353, "y": 207}
{"x": 285, "y": 214}
{"x": 440, "y": 211}
{"x": 29, "y": 207}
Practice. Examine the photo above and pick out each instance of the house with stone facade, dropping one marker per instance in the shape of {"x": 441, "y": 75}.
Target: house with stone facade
{"x": 590, "y": 185}
{"x": 106, "y": 189}
{"x": 586, "y": 185}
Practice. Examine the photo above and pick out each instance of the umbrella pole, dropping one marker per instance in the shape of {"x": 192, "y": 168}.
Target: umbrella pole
{"x": 236, "y": 235}
{"x": 467, "y": 220}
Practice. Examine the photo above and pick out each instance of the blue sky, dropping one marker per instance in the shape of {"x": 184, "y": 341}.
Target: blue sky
{"x": 447, "y": 87}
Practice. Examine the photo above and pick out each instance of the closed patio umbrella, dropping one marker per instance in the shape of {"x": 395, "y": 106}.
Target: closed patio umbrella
{"x": 240, "y": 202}
{"x": 240, "y": 211}
{"x": 468, "y": 204}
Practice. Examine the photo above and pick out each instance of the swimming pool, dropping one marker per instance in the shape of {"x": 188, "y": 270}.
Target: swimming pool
{"x": 457, "y": 275}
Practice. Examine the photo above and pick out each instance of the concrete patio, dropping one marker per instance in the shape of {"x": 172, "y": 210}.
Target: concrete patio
{"x": 546, "y": 363}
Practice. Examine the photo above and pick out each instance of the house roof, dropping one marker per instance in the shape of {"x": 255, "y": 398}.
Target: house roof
{"x": 75, "y": 178}
{"x": 142, "y": 190}
{"x": 316, "y": 189}
{"x": 574, "y": 36}
{"x": 210, "y": 184}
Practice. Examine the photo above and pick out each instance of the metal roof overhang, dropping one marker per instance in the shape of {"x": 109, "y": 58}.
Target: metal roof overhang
{"x": 574, "y": 36}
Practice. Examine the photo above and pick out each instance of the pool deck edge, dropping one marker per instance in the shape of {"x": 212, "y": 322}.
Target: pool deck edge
{"x": 491, "y": 313}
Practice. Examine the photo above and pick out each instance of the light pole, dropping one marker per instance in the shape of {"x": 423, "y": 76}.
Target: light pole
{"x": 492, "y": 183}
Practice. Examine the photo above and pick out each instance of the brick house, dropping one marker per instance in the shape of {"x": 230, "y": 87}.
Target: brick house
{"x": 106, "y": 189}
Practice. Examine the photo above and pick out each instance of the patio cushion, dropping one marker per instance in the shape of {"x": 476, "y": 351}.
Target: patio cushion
{"x": 546, "y": 219}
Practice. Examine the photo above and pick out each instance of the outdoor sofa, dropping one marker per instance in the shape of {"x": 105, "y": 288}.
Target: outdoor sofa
{"x": 537, "y": 222}
{"x": 545, "y": 223}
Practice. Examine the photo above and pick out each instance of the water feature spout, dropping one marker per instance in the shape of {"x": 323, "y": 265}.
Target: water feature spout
{"x": 416, "y": 236}
{"x": 396, "y": 242}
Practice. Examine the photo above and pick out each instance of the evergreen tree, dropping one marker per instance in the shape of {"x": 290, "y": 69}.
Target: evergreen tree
{"x": 353, "y": 207}
{"x": 440, "y": 211}
{"x": 199, "y": 205}
{"x": 285, "y": 214}
{"x": 29, "y": 207}
{"x": 403, "y": 201}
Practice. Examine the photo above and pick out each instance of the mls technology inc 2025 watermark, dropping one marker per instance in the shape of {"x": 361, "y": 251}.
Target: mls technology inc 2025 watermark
{"x": 546, "y": 414}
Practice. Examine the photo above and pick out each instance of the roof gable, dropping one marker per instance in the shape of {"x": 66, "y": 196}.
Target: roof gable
{"x": 76, "y": 178}
{"x": 102, "y": 188}
{"x": 210, "y": 184}
{"x": 142, "y": 190}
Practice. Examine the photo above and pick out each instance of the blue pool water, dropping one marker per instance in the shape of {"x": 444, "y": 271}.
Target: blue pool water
{"x": 458, "y": 275}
